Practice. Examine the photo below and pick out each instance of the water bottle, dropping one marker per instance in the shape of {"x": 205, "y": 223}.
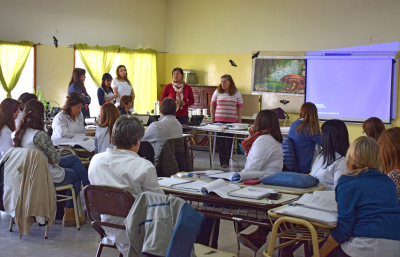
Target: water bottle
{"x": 156, "y": 107}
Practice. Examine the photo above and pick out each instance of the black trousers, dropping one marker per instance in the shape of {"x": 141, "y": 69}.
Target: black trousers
{"x": 224, "y": 148}
{"x": 146, "y": 150}
{"x": 204, "y": 234}
{"x": 184, "y": 120}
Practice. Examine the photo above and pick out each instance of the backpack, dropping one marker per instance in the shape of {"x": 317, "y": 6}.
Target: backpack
{"x": 281, "y": 113}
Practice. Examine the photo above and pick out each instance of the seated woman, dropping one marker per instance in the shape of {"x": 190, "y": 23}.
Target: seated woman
{"x": 368, "y": 207}
{"x": 108, "y": 115}
{"x": 331, "y": 163}
{"x": 9, "y": 109}
{"x": 305, "y": 133}
{"x": 70, "y": 121}
{"x": 263, "y": 146}
{"x": 389, "y": 144}
{"x": 373, "y": 127}
{"x": 125, "y": 104}
{"x": 64, "y": 170}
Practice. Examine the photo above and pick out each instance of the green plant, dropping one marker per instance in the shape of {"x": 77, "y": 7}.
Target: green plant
{"x": 41, "y": 98}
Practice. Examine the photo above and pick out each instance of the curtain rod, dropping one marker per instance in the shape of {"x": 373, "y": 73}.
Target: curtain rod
{"x": 72, "y": 46}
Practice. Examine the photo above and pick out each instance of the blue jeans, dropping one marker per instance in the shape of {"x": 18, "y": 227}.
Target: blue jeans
{"x": 75, "y": 173}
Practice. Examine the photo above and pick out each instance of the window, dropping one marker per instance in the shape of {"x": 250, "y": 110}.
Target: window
{"x": 26, "y": 81}
{"x": 91, "y": 87}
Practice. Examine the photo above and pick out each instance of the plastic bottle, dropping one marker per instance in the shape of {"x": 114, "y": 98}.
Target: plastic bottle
{"x": 156, "y": 107}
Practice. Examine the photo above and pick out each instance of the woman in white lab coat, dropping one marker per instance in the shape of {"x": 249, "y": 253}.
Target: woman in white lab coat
{"x": 70, "y": 121}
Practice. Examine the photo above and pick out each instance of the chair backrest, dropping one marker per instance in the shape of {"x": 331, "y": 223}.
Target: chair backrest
{"x": 108, "y": 200}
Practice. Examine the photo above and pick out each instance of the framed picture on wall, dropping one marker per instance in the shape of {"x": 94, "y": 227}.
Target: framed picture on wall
{"x": 279, "y": 75}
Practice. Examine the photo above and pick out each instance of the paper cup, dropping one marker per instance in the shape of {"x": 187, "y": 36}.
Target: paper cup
{"x": 198, "y": 111}
{"x": 205, "y": 112}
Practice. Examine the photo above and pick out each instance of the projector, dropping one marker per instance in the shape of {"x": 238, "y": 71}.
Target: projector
{"x": 238, "y": 126}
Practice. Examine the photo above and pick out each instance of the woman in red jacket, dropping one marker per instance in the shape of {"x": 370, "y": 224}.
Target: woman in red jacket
{"x": 182, "y": 93}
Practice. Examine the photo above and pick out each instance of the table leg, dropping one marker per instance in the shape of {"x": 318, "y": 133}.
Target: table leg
{"x": 211, "y": 148}
{"x": 214, "y": 144}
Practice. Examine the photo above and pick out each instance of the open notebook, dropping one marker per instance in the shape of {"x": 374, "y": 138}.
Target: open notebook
{"x": 84, "y": 142}
{"x": 319, "y": 208}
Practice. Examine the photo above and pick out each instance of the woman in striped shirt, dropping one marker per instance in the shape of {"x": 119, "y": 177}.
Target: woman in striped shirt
{"x": 226, "y": 107}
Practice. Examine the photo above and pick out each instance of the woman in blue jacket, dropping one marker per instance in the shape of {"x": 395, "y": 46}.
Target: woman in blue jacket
{"x": 305, "y": 133}
{"x": 368, "y": 208}
{"x": 77, "y": 84}
{"x": 105, "y": 94}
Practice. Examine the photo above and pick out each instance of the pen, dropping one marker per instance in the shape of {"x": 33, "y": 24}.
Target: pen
{"x": 269, "y": 201}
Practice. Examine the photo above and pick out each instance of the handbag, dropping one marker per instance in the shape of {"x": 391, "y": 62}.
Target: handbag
{"x": 282, "y": 115}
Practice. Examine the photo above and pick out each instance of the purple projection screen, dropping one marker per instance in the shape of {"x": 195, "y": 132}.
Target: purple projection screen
{"x": 351, "y": 89}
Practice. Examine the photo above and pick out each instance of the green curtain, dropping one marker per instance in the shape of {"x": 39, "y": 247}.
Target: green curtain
{"x": 13, "y": 57}
{"x": 141, "y": 65}
{"x": 97, "y": 59}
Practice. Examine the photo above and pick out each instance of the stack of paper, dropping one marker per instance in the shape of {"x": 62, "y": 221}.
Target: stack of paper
{"x": 323, "y": 217}
{"x": 84, "y": 142}
{"x": 252, "y": 192}
{"x": 169, "y": 182}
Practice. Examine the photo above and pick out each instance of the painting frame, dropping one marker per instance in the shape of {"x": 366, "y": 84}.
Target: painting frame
{"x": 281, "y": 75}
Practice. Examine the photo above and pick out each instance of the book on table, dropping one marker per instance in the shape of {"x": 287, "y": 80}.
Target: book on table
{"x": 85, "y": 142}
{"x": 322, "y": 209}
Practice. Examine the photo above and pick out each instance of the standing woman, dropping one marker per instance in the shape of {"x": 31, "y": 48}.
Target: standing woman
{"x": 121, "y": 84}
{"x": 373, "y": 127}
{"x": 65, "y": 170}
{"x": 9, "y": 109}
{"x": 305, "y": 133}
{"x": 104, "y": 93}
{"x": 77, "y": 84}
{"x": 226, "y": 107}
{"x": 108, "y": 115}
{"x": 182, "y": 93}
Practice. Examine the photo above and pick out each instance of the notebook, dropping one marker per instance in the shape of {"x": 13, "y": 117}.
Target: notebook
{"x": 219, "y": 188}
{"x": 318, "y": 203}
{"x": 323, "y": 217}
{"x": 252, "y": 192}
{"x": 239, "y": 176}
{"x": 82, "y": 141}
{"x": 194, "y": 186}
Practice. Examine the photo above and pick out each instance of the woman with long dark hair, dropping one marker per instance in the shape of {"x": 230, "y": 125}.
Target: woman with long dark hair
{"x": 305, "y": 133}
{"x": 108, "y": 115}
{"x": 331, "y": 163}
{"x": 9, "y": 109}
{"x": 77, "y": 84}
{"x": 23, "y": 99}
{"x": 226, "y": 107}
{"x": 64, "y": 170}
{"x": 182, "y": 93}
{"x": 105, "y": 94}
{"x": 263, "y": 146}
{"x": 373, "y": 127}
{"x": 69, "y": 122}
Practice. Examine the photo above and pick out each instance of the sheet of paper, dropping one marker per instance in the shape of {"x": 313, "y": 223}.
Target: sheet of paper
{"x": 214, "y": 126}
{"x": 208, "y": 172}
{"x": 225, "y": 175}
{"x": 193, "y": 186}
{"x": 168, "y": 182}
{"x": 213, "y": 185}
{"x": 310, "y": 214}
{"x": 88, "y": 145}
{"x": 224, "y": 191}
{"x": 318, "y": 202}
{"x": 327, "y": 194}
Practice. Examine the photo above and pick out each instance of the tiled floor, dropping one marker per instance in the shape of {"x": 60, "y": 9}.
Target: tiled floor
{"x": 71, "y": 242}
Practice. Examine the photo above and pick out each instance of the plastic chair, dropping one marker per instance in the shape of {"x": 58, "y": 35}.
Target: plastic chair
{"x": 110, "y": 201}
{"x": 201, "y": 250}
{"x": 306, "y": 231}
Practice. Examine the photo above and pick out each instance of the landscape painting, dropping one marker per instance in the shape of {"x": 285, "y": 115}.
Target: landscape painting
{"x": 282, "y": 76}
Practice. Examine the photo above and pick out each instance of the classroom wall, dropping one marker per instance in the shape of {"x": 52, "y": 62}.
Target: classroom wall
{"x": 205, "y": 35}
{"x": 129, "y": 23}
